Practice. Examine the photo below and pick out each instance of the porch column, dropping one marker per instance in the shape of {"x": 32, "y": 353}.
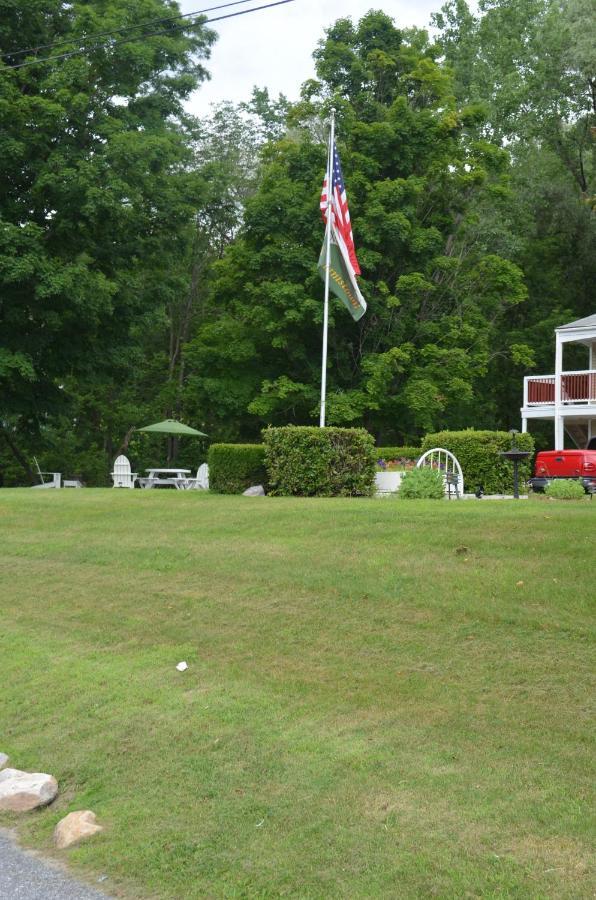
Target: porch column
{"x": 559, "y": 430}
{"x": 524, "y": 425}
{"x": 559, "y": 433}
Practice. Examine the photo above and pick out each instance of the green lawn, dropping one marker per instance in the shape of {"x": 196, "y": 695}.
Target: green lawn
{"x": 384, "y": 699}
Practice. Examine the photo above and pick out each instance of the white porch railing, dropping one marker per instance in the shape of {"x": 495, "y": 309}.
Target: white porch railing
{"x": 576, "y": 388}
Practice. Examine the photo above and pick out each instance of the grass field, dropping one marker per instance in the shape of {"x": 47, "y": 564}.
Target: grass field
{"x": 384, "y": 699}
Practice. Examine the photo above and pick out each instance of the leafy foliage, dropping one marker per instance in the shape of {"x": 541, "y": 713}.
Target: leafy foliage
{"x": 530, "y": 65}
{"x": 235, "y": 467}
{"x": 565, "y": 489}
{"x": 398, "y": 452}
{"x": 95, "y": 190}
{"x": 152, "y": 265}
{"x": 319, "y": 462}
{"x": 435, "y": 298}
{"x": 478, "y": 454}
{"x": 422, "y": 484}
{"x": 98, "y": 192}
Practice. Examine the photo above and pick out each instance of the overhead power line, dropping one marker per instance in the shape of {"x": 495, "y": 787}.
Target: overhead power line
{"x": 140, "y": 37}
{"x": 84, "y": 39}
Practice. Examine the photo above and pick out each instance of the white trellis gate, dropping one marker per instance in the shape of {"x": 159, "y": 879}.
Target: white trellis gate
{"x": 448, "y": 464}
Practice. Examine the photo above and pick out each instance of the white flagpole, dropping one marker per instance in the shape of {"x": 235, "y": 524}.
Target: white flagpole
{"x": 327, "y": 259}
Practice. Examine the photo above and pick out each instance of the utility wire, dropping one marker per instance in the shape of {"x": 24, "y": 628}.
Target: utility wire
{"x": 83, "y": 39}
{"x": 243, "y": 12}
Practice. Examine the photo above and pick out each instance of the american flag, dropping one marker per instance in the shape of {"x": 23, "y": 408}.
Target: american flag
{"x": 340, "y": 214}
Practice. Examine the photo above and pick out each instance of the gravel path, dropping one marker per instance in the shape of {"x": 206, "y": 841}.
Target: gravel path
{"x": 24, "y": 876}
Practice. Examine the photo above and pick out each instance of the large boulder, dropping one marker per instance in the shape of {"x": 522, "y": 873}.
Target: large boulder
{"x": 3, "y": 760}
{"x": 22, "y": 791}
{"x": 74, "y": 828}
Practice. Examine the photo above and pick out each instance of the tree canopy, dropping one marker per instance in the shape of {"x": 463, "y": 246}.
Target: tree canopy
{"x": 417, "y": 174}
{"x": 97, "y": 186}
{"x": 153, "y": 264}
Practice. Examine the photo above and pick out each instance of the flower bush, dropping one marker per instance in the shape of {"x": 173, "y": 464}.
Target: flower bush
{"x": 401, "y": 464}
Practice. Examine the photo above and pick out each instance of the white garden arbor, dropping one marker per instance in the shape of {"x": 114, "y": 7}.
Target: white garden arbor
{"x": 446, "y": 463}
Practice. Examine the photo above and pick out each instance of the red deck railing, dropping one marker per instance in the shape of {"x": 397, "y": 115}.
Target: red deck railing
{"x": 541, "y": 390}
{"x": 576, "y": 387}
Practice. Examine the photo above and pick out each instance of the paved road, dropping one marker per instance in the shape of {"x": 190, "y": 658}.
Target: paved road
{"x": 24, "y": 876}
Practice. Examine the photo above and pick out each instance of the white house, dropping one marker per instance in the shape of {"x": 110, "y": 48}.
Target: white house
{"x": 568, "y": 399}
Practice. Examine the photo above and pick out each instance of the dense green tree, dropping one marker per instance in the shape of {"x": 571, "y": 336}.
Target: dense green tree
{"x": 416, "y": 174}
{"x": 97, "y": 190}
{"x": 532, "y": 66}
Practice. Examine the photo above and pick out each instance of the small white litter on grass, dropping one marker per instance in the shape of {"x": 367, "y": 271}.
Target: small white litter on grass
{"x": 182, "y": 666}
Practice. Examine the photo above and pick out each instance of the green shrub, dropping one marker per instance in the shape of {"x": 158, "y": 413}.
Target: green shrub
{"x": 235, "y": 467}
{"x": 388, "y": 453}
{"x": 478, "y": 455}
{"x": 422, "y": 484}
{"x": 565, "y": 489}
{"x": 320, "y": 462}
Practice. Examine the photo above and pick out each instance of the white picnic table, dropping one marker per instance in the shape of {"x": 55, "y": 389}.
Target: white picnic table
{"x": 160, "y": 477}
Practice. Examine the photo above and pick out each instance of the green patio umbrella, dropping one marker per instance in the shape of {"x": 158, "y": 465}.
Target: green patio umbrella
{"x": 171, "y": 426}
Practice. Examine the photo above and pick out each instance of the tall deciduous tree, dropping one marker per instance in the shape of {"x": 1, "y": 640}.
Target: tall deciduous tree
{"x": 532, "y": 65}
{"x": 97, "y": 188}
{"x": 415, "y": 174}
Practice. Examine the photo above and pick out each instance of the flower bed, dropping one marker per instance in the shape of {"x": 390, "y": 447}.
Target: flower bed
{"x": 401, "y": 464}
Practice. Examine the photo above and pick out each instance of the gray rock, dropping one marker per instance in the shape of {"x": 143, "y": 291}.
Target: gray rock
{"x": 3, "y": 760}
{"x": 256, "y": 490}
{"x": 22, "y": 791}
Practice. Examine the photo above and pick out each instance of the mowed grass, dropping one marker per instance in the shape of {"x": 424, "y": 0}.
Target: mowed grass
{"x": 383, "y": 699}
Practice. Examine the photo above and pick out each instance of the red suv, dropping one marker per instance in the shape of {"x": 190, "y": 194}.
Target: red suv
{"x": 578, "y": 464}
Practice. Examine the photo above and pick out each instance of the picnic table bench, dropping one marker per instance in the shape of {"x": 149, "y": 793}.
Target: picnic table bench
{"x": 176, "y": 478}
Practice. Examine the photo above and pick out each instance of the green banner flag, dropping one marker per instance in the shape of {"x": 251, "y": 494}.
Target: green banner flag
{"x": 342, "y": 280}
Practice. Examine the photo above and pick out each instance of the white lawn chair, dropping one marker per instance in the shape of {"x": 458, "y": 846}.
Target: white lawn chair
{"x": 56, "y": 481}
{"x": 122, "y": 476}
{"x": 201, "y": 482}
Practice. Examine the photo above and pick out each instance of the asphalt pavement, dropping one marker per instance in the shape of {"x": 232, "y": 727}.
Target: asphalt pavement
{"x": 24, "y": 876}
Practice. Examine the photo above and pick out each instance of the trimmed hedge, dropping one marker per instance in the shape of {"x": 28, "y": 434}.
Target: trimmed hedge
{"x": 478, "y": 455}
{"x": 388, "y": 453}
{"x": 235, "y": 467}
{"x": 320, "y": 462}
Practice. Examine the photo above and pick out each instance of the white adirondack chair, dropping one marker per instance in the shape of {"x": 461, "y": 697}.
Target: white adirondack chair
{"x": 122, "y": 476}
{"x": 448, "y": 465}
{"x": 201, "y": 481}
{"x": 56, "y": 477}
{"x": 203, "y": 477}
